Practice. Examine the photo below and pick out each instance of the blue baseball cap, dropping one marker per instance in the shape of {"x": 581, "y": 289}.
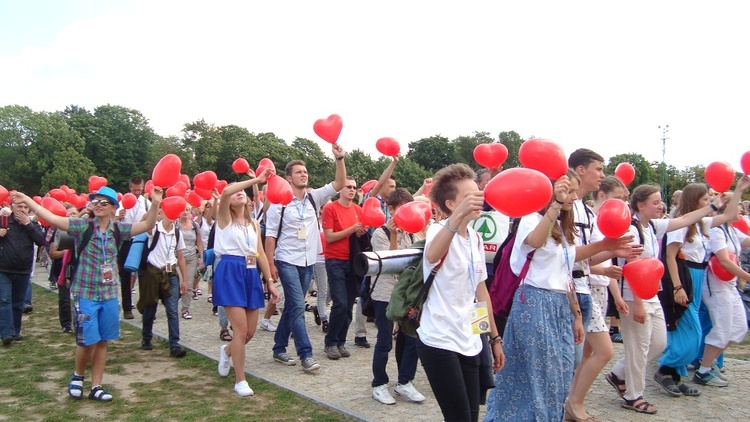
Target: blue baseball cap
{"x": 108, "y": 193}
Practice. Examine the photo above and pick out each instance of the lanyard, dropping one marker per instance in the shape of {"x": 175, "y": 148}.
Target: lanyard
{"x": 301, "y": 207}
{"x": 472, "y": 269}
{"x": 103, "y": 240}
{"x": 654, "y": 252}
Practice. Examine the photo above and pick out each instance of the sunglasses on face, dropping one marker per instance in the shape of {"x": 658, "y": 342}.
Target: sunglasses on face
{"x": 102, "y": 202}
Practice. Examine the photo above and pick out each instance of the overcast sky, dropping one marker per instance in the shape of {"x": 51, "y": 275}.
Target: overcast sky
{"x": 596, "y": 74}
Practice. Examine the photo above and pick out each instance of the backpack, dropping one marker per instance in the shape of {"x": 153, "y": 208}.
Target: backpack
{"x": 154, "y": 242}
{"x": 368, "y": 285}
{"x": 505, "y": 282}
{"x": 72, "y": 266}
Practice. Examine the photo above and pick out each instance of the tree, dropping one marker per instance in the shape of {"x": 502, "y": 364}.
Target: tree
{"x": 409, "y": 174}
{"x": 464, "y": 147}
{"x": 512, "y": 141}
{"x": 432, "y": 153}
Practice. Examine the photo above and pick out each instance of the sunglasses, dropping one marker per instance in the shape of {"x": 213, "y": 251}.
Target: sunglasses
{"x": 102, "y": 202}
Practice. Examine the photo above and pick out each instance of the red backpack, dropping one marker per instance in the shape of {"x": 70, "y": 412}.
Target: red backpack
{"x": 505, "y": 283}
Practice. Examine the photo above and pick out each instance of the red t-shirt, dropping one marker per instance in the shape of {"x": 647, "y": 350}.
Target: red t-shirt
{"x": 338, "y": 217}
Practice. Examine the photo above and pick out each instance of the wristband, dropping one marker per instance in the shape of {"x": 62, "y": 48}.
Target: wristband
{"x": 448, "y": 226}
{"x": 677, "y": 288}
{"x": 496, "y": 339}
{"x": 339, "y": 158}
{"x": 713, "y": 207}
{"x": 270, "y": 281}
{"x": 561, "y": 203}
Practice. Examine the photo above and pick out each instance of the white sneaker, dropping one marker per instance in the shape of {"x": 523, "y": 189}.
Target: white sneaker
{"x": 242, "y": 389}
{"x": 224, "y": 363}
{"x": 407, "y": 390}
{"x": 381, "y": 394}
{"x": 267, "y": 325}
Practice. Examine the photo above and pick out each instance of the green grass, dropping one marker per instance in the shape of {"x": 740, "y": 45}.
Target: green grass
{"x": 36, "y": 372}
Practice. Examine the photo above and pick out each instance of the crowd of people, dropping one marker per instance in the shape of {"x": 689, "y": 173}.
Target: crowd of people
{"x": 539, "y": 363}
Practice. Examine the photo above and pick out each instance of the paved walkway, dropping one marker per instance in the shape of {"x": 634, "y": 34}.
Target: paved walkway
{"x": 344, "y": 385}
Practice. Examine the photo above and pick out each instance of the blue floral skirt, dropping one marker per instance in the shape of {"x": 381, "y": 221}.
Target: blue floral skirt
{"x": 539, "y": 354}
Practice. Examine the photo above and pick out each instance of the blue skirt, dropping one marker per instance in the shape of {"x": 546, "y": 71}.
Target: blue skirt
{"x": 237, "y": 285}
{"x": 684, "y": 343}
{"x": 539, "y": 354}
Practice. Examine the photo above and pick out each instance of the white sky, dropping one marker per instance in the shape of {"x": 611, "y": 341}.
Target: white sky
{"x": 595, "y": 74}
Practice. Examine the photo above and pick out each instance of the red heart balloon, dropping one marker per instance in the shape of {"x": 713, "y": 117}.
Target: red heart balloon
{"x": 71, "y": 191}
{"x": 149, "y": 187}
{"x": 329, "y": 129}
{"x": 388, "y": 146}
{"x": 745, "y": 162}
{"x": 372, "y": 213}
{"x": 518, "y": 191}
{"x": 194, "y": 199}
{"x": 240, "y": 166}
{"x": 205, "y": 180}
{"x": 410, "y": 217}
{"x": 368, "y": 185}
{"x": 173, "y": 206}
{"x": 4, "y": 194}
{"x": 625, "y": 172}
{"x": 742, "y": 225}
{"x": 65, "y": 189}
{"x": 167, "y": 171}
{"x": 77, "y": 201}
{"x": 491, "y": 155}
{"x": 718, "y": 270}
{"x": 613, "y": 219}
{"x": 544, "y": 155}
{"x": 178, "y": 189}
{"x": 54, "y": 206}
{"x": 37, "y": 199}
{"x": 58, "y": 194}
{"x": 279, "y": 191}
{"x": 203, "y": 193}
{"x": 220, "y": 185}
{"x": 719, "y": 175}
{"x": 265, "y": 163}
{"x": 95, "y": 182}
{"x": 644, "y": 277}
{"x": 426, "y": 209}
{"x": 184, "y": 178}
{"x": 128, "y": 201}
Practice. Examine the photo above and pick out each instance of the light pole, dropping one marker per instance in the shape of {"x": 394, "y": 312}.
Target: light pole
{"x": 664, "y": 132}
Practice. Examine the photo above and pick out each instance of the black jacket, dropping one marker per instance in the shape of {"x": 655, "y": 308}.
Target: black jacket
{"x": 17, "y": 247}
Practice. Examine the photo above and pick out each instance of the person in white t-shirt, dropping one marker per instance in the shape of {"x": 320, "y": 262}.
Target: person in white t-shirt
{"x": 644, "y": 328}
{"x": 447, "y": 346}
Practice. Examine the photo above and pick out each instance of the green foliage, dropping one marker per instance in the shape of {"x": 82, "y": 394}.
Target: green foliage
{"x": 512, "y": 141}
{"x": 432, "y": 153}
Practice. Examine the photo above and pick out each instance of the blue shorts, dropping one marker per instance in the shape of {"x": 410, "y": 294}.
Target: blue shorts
{"x": 96, "y": 321}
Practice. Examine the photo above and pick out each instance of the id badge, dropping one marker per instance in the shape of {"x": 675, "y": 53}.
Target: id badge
{"x": 107, "y": 274}
{"x": 250, "y": 261}
{"x": 301, "y": 233}
{"x": 480, "y": 318}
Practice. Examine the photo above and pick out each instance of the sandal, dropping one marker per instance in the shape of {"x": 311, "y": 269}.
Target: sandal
{"x": 75, "y": 387}
{"x": 224, "y": 335}
{"x": 687, "y": 390}
{"x": 667, "y": 384}
{"x": 210, "y": 298}
{"x": 100, "y": 394}
{"x": 639, "y": 405}
{"x": 617, "y": 383}
{"x": 199, "y": 292}
{"x": 186, "y": 315}
{"x": 308, "y": 307}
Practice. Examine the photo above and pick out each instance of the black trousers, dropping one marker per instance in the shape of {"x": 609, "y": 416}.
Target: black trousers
{"x": 127, "y": 298}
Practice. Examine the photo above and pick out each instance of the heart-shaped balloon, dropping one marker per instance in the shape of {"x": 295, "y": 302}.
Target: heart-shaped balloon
{"x": 745, "y": 162}
{"x": 184, "y": 178}
{"x": 58, "y": 194}
{"x": 644, "y": 276}
{"x": 178, "y": 189}
{"x": 203, "y": 193}
{"x": 77, "y": 201}
{"x": 491, "y": 155}
{"x": 149, "y": 187}
{"x": 742, "y": 225}
{"x": 173, "y": 206}
{"x": 388, "y": 147}
{"x": 194, "y": 199}
{"x": 128, "y": 201}
{"x": 205, "y": 180}
{"x": 95, "y": 182}
{"x": 240, "y": 166}
{"x": 279, "y": 191}
{"x": 329, "y": 129}
{"x": 715, "y": 267}
{"x": 372, "y": 213}
{"x": 54, "y": 206}
{"x": 37, "y": 199}
{"x": 368, "y": 185}
{"x": 426, "y": 209}
{"x": 518, "y": 191}
{"x": 220, "y": 185}
{"x": 265, "y": 163}
{"x": 625, "y": 172}
{"x": 613, "y": 219}
{"x": 410, "y": 217}
{"x": 719, "y": 175}
{"x": 167, "y": 171}
{"x": 71, "y": 199}
{"x": 544, "y": 155}
{"x": 65, "y": 189}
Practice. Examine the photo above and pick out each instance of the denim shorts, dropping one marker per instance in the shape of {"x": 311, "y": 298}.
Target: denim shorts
{"x": 96, "y": 321}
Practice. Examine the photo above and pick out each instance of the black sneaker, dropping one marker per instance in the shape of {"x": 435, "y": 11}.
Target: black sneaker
{"x": 146, "y": 345}
{"x": 177, "y": 352}
{"x": 67, "y": 330}
{"x": 362, "y": 342}
{"x": 27, "y": 309}
{"x": 7, "y": 340}
{"x": 325, "y": 326}
{"x": 316, "y": 314}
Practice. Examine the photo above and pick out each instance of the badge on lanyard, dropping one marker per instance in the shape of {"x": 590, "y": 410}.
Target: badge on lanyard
{"x": 301, "y": 233}
{"x": 251, "y": 261}
{"x": 480, "y": 318}
{"x": 107, "y": 276}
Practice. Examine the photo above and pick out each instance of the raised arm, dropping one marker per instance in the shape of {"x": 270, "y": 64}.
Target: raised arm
{"x": 340, "y": 180}
{"x": 60, "y": 222}
{"x": 384, "y": 178}
{"x": 150, "y": 221}
{"x": 223, "y": 217}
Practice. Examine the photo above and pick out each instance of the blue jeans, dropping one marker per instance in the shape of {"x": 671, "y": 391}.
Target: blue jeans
{"x": 12, "y": 294}
{"x": 295, "y": 280}
{"x": 27, "y": 298}
{"x": 383, "y": 345}
{"x": 342, "y": 284}
{"x": 170, "y": 305}
{"x": 584, "y": 301}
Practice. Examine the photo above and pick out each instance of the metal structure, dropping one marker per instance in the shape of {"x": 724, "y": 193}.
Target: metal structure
{"x": 664, "y": 132}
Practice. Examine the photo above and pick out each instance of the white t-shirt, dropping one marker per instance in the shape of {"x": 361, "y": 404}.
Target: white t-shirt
{"x": 493, "y": 227}
{"x": 165, "y": 252}
{"x": 651, "y": 249}
{"x": 549, "y": 269}
{"x": 729, "y": 238}
{"x": 236, "y": 240}
{"x": 584, "y": 220}
{"x": 696, "y": 249}
{"x": 445, "y": 316}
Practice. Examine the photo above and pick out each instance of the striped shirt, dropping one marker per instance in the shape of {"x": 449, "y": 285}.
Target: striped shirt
{"x": 101, "y": 250}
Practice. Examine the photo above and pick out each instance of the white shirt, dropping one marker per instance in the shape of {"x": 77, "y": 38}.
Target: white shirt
{"x": 493, "y": 227}
{"x": 135, "y": 214}
{"x": 445, "y": 316}
{"x": 165, "y": 252}
{"x": 235, "y": 239}
{"x": 549, "y": 269}
{"x": 584, "y": 221}
{"x": 695, "y": 250}
{"x": 729, "y": 238}
{"x": 298, "y": 213}
{"x": 204, "y": 229}
{"x": 651, "y": 249}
